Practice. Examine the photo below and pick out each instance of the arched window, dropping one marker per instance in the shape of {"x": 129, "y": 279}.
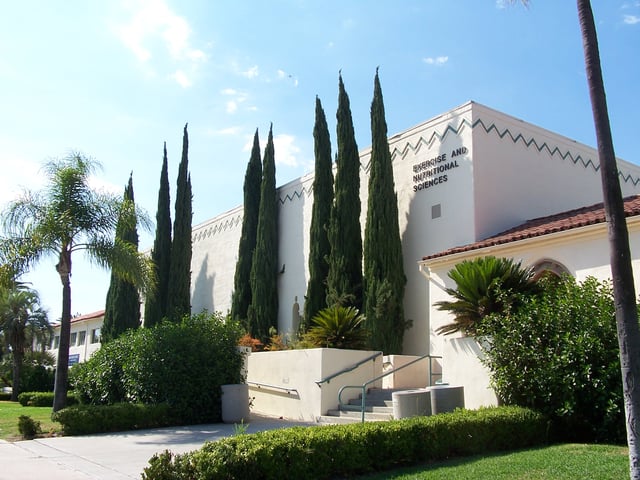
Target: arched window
{"x": 549, "y": 267}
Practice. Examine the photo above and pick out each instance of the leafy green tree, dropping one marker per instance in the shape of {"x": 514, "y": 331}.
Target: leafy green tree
{"x": 557, "y": 352}
{"x": 241, "y": 298}
{"x": 66, "y": 217}
{"x": 319, "y": 246}
{"x": 263, "y": 311}
{"x": 337, "y": 327}
{"x": 20, "y": 312}
{"x": 155, "y": 305}
{"x": 344, "y": 282}
{"x": 122, "y": 310}
{"x": 484, "y": 286}
{"x": 198, "y": 355}
{"x": 179, "y": 290}
{"x": 621, "y": 267}
{"x": 384, "y": 277}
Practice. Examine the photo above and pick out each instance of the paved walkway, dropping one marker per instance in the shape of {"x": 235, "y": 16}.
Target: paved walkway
{"x": 116, "y": 456}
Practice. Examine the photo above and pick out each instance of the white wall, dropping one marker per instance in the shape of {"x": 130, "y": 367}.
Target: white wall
{"x": 78, "y": 325}
{"x": 510, "y": 171}
{"x": 583, "y": 251}
{"x": 299, "y": 370}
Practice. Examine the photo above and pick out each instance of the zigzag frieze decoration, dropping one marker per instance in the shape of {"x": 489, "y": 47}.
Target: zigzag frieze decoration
{"x": 506, "y": 133}
{"x": 217, "y": 228}
{"x": 290, "y": 197}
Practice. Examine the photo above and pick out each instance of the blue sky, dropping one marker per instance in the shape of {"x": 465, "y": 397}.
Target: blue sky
{"x": 116, "y": 79}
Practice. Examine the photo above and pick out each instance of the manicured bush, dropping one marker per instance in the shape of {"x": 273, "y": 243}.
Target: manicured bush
{"x": 86, "y": 419}
{"x": 28, "y": 427}
{"x": 43, "y": 399}
{"x": 558, "y": 353}
{"x": 182, "y": 365}
{"x": 346, "y": 450}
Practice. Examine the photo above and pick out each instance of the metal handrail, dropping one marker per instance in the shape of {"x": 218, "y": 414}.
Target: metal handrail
{"x": 363, "y": 387}
{"x": 347, "y": 369}
{"x": 274, "y": 387}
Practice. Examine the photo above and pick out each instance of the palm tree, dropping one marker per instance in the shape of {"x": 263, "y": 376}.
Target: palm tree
{"x": 20, "y": 313}
{"x": 621, "y": 269}
{"x": 337, "y": 327}
{"x": 484, "y": 286}
{"x": 68, "y": 216}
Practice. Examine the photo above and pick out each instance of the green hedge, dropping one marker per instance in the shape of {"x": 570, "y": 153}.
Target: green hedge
{"x": 344, "y": 450}
{"x": 180, "y": 364}
{"x": 43, "y": 399}
{"x": 86, "y": 419}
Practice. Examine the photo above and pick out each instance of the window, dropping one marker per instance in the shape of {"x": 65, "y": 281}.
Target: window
{"x": 56, "y": 342}
{"x": 81, "y": 337}
{"x": 72, "y": 339}
{"x": 95, "y": 335}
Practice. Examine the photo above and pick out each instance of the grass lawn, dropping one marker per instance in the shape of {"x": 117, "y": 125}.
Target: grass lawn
{"x": 564, "y": 462}
{"x": 9, "y": 413}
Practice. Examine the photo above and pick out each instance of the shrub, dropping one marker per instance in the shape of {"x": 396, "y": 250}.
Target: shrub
{"x": 180, "y": 364}
{"x": 558, "y": 353}
{"x": 346, "y": 450}
{"x": 43, "y": 399}
{"x": 28, "y": 427}
{"x": 337, "y": 327}
{"x": 86, "y": 419}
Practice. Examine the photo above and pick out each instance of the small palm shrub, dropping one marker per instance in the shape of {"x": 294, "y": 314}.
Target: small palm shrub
{"x": 337, "y": 327}
{"x": 484, "y": 286}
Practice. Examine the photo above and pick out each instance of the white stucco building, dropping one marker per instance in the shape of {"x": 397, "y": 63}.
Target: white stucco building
{"x": 84, "y": 339}
{"x": 461, "y": 178}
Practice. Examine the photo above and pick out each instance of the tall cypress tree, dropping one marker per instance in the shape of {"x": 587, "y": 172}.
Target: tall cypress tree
{"x": 155, "y": 306}
{"x": 179, "y": 291}
{"x": 384, "y": 278}
{"x": 241, "y": 298}
{"x": 319, "y": 246}
{"x": 344, "y": 282}
{"x": 122, "y": 310}
{"x": 263, "y": 312}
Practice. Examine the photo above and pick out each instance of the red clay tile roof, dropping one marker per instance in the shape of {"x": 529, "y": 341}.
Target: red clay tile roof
{"x": 559, "y": 222}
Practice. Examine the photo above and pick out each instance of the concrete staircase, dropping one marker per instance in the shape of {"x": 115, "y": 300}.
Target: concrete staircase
{"x": 378, "y": 408}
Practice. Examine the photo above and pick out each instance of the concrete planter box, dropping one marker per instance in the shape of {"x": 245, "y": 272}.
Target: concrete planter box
{"x": 235, "y": 403}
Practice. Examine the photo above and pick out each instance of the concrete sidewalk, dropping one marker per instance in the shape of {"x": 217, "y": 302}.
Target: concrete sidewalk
{"x": 115, "y": 456}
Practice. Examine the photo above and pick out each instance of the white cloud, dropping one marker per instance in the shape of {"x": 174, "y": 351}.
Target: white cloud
{"x": 631, "y": 19}
{"x": 285, "y": 151}
{"x": 282, "y": 75}
{"x": 233, "y": 103}
{"x": 229, "y": 131}
{"x": 19, "y": 174}
{"x": 251, "y": 72}
{"x": 232, "y": 106}
{"x": 438, "y": 61}
{"x": 151, "y": 19}
{"x": 182, "y": 79}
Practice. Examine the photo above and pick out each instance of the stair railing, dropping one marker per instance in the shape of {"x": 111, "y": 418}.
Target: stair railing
{"x": 363, "y": 387}
{"x": 347, "y": 369}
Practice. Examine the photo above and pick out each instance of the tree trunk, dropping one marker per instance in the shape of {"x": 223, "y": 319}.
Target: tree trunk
{"x": 62, "y": 367}
{"x": 621, "y": 268}
{"x": 18, "y": 358}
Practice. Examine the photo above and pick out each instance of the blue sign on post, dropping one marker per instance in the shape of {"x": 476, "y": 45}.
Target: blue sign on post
{"x": 73, "y": 359}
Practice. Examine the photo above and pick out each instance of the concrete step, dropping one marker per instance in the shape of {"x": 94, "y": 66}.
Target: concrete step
{"x": 368, "y": 408}
{"x": 341, "y": 416}
{"x": 371, "y": 402}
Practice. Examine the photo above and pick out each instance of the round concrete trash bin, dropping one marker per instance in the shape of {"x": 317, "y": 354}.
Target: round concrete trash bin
{"x": 446, "y": 398}
{"x": 235, "y": 403}
{"x": 411, "y": 403}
